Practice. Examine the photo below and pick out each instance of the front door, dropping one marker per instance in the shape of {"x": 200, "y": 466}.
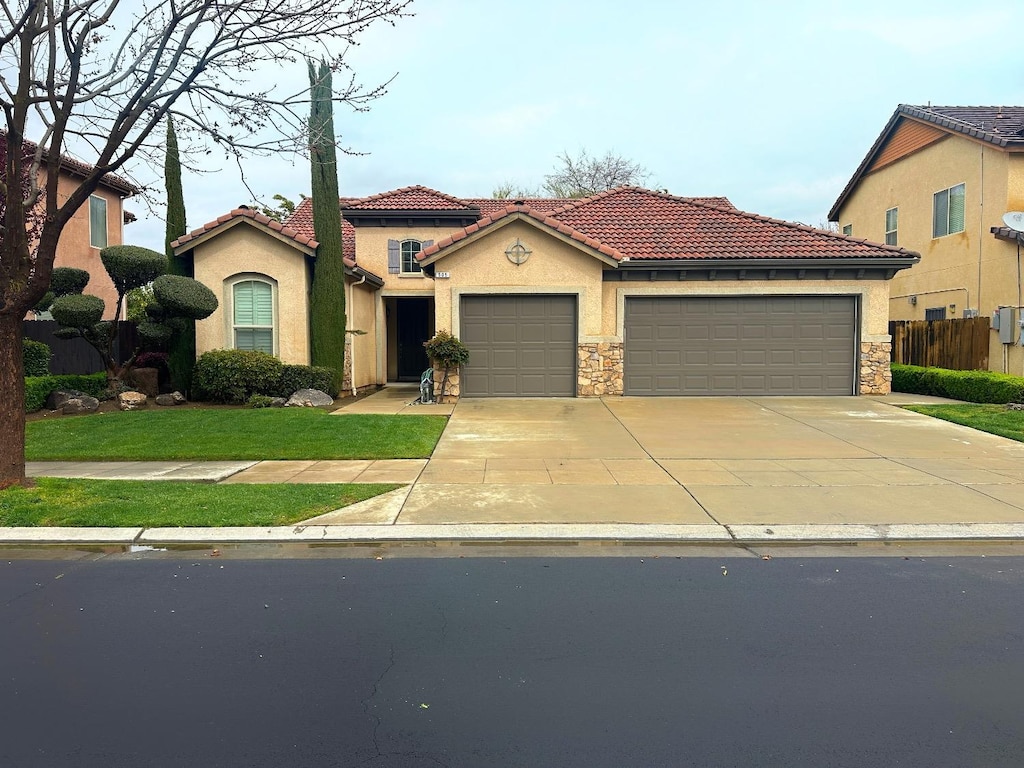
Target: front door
{"x": 413, "y": 321}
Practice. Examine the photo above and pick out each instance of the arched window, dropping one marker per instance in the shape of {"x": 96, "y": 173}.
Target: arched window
{"x": 411, "y": 249}
{"x": 253, "y": 315}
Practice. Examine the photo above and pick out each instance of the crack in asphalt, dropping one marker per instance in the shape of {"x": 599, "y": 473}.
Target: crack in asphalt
{"x": 366, "y": 704}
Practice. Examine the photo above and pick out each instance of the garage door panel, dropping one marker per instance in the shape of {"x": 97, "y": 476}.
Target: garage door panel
{"x": 740, "y": 345}
{"x": 519, "y": 345}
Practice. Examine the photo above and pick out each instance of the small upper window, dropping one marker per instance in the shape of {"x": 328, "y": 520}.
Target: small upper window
{"x": 848, "y": 229}
{"x": 891, "y": 225}
{"x": 948, "y": 211}
{"x": 411, "y": 249}
{"x": 97, "y": 222}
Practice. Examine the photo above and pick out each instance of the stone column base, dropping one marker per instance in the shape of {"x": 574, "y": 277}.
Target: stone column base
{"x": 599, "y": 369}
{"x": 875, "y": 374}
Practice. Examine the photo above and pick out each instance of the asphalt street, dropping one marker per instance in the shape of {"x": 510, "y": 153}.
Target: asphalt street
{"x": 528, "y": 661}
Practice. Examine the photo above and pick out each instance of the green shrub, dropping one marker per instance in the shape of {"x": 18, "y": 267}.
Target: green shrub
{"x": 184, "y": 297}
{"x": 38, "y": 388}
{"x": 234, "y": 375}
{"x": 65, "y": 281}
{"x": 295, "y": 377}
{"x": 132, "y": 266}
{"x": 35, "y": 356}
{"x": 970, "y": 386}
{"x": 447, "y": 350}
{"x": 259, "y": 401}
{"x": 77, "y": 310}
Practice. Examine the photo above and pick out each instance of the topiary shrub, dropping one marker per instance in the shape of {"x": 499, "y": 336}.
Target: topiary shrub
{"x": 970, "y": 386}
{"x": 132, "y": 266}
{"x": 77, "y": 310}
{"x": 296, "y": 377}
{"x": 184, "y": 297}
{"x": 35, "y": 357}
{"x": 234, "y": 375}
{"x": 38, "y": 388}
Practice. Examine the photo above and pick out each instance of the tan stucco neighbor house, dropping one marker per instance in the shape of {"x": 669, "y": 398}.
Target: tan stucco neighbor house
{"x": 96, "y": 225}
{"x": 938, "y": 180}
{"x": 628, "y": 292}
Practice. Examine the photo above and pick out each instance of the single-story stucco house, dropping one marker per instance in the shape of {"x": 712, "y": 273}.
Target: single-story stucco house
{"x": 628, "y": 292}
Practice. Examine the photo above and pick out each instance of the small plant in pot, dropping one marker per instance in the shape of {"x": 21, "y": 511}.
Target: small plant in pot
{"x": 447, "y": 353}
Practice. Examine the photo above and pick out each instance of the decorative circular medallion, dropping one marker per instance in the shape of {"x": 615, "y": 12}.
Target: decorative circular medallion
{"x": 517, "y": 252}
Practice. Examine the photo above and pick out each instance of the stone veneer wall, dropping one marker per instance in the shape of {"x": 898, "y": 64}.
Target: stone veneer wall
{"x": 875, "y": 373}
{"x": 600, "y": 369}
{"x": 453, "y": 388}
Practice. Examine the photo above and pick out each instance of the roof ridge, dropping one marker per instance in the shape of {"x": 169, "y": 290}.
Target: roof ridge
{"x": 410, "y": 188}
{"x": 74, "y": 165}
{"x": 248, "y": 213}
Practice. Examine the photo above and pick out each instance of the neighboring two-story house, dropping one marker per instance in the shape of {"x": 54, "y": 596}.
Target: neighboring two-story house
{"x": 627, "y": 292}
{"x": 938, "y": 181}
{"x": 93, "y": 227}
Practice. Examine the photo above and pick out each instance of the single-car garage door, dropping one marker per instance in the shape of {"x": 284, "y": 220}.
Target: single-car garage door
{"x": 519, "y": 346}
{"x": 740, "y": 345}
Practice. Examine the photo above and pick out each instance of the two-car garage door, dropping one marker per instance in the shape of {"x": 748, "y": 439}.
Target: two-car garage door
{"x": 525, "y": 345}
{"x": 740, "y": 345}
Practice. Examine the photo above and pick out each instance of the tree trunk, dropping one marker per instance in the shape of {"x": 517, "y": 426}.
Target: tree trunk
{"x": 12, "y": 402}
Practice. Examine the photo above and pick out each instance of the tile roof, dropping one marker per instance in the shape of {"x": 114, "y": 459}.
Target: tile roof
{"x": 259, "y": 218}
{"x": 302, "y": 222}
{"x": 637, "y": 224}
{"x": 79, "y": 168}
{"x": 1000, "y": 126}
{"x": 510, "y": 210}
{"x": 416, "y": 198}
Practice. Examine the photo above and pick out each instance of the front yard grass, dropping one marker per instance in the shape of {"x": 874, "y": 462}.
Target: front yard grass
{"x": 987, "y": 418}
{"x": 219, "y": 434}
{"x": 166, "y": 503}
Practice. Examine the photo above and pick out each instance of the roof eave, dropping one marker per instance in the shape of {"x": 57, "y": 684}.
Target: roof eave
{"x": 903, "y": 261}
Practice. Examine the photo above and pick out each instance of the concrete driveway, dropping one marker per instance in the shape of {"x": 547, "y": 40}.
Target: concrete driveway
{"x": 727, "y": 461}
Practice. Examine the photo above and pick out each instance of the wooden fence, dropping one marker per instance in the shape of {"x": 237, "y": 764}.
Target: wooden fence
{"x": 960, "y": 344}
{"x": 75, "y": 355}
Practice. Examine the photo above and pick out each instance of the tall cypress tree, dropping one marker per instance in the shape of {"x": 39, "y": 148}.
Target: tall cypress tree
{"x": 327, "y": 296}
{"x": 183, "y": 345}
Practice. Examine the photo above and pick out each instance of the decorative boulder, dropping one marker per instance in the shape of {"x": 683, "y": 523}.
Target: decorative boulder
{"x": 81, "y": 404}
{"x": 131, "y": 401}
{"x": 56, "y": 399}
{"x": 278, "y": 402}
{"x": 146, "y": 380}
{"x": 309, "y": 398}
{"x": 174, "y": 398}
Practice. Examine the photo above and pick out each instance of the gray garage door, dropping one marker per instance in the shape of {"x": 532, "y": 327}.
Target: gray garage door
{"x": 519, "y": 346}
{"x": 740, "y": 345}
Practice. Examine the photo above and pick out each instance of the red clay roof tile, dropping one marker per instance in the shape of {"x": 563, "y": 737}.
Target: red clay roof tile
{"x": 300, "y": 238}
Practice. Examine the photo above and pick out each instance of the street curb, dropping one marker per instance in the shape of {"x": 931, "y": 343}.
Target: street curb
{"x": 507, "y": 532}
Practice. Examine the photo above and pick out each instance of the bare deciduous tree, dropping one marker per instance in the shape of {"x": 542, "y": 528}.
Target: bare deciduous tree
{"x": 95, "y": 78}
{"x": 583, "y": 175}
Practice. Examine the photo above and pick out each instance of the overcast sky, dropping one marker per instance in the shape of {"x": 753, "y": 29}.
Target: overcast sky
{"x": 770, "y": 104}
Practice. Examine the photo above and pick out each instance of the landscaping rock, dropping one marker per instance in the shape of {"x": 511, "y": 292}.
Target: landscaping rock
{"x": 146, "y": 380}
{"x": 174, "y": 398}
{"x": 131, "y": 401}
{"x": 309, "y": 398}
{"x": 59, "y": 397}
{"x": 82, "y": 404}
{"x": 278, "y": 402}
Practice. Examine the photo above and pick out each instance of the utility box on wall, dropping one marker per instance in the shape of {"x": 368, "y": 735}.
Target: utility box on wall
{"x": 1003, "y": 320}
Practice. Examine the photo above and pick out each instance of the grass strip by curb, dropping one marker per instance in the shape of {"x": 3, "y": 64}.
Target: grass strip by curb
{"x": 225, "y": 435}
{"x": 994, "y": 419}
{"x": 169, "y": 504}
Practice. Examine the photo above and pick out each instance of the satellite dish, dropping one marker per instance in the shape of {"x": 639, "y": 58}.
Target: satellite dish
{"x": 1014, "y": 220}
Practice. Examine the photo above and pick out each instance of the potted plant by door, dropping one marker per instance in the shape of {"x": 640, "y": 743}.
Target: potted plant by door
{"x": 447, "y": 354}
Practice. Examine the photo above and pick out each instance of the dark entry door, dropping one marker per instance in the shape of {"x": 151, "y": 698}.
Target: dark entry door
{"x": 413, "y": 322}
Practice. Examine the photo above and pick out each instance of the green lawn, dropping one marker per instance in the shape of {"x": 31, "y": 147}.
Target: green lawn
{"x": 224, "y": 434}
{"x": 988, "y": 418}
{"x": 152, "y": 504}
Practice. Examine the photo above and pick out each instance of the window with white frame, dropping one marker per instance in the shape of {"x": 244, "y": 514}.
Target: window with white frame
{"x": 848, "y": 229}
{"x": 253, "y": 315}
{"x": 410, "y": 250}
{"x": 891, "y": 225}
{"x": 97, "y": 221}
{"x": 948, "y": 211}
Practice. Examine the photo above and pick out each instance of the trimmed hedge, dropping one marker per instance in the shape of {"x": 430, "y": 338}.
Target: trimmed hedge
{"x": 234, "y": 375}
{"x": 35, "y": 357}
{"x": 970, "y": 386}
{"x": 296, "y": 377}
{"x": 38, "y": 388}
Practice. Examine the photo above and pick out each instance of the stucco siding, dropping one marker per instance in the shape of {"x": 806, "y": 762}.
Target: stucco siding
{"x": 243, "y": 250}
{"x": 372, "y": 254}
{"x": 361, "y": 312}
